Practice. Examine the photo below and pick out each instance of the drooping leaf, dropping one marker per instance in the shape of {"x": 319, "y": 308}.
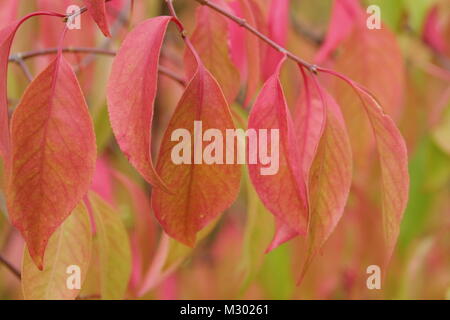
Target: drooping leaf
{"x": 67, "y": 257}
{"x": 330, "y": 178}
{"x": 393, "y": 160}
{"x": 53, "y": 155}
{"x": 114, "y": 250}
{"x": 373, "y": 59}
{"x": 97, "y": 10}
{"x": 202, "y": 190}
{"x": 309, "y": 121}
{"x": 284, "y": 192}
{"x": 210, "y": 39}
{"x": 131, "y": 94}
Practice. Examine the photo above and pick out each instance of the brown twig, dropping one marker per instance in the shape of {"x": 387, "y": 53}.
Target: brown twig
{"x": 23, "y": 66}
{"x": 35, "y": 53}
{"x": 10, "y": 267}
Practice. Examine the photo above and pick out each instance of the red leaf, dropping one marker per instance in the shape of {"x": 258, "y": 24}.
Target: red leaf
{"x": 309, "y": 122}
{"x": 284, "y": 193}
{"x": 53, "y": 155}
{"x": 202, "y": 191}
{"x": 278, "y": 24}
{"x": 344, "y": 14}
{"x": 132, "y": 90}
{"x": 97, "y": 10}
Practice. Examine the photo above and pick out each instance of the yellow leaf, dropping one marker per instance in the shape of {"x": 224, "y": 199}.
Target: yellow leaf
{"x": 66, "y": 258}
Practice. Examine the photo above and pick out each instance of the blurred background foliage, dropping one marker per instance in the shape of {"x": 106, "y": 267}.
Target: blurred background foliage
{"x": 229, "y": 262}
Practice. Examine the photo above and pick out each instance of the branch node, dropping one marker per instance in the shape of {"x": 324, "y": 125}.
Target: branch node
{"x": 313, "y": 68}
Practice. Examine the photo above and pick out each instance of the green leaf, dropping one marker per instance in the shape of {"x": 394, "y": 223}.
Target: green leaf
{"x": 69, "y": 247}
{"x": 114, "y": 250}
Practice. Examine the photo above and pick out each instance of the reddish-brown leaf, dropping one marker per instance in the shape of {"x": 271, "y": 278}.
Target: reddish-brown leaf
{"x": 53, "y": 155}
{"x": 202, "y": 191}
{"x": 131, "y": 94}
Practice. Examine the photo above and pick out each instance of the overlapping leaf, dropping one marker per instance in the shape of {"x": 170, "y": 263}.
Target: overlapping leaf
{"x": 67, "y": 256}
{"x": 283, "y": 193}
{"x": 330, "y": 177}
{"x": 53, "y": 155}
{"x": 114, "y": 250}
{"x": 131, "y": 94}
{"x": 202, "y": 191}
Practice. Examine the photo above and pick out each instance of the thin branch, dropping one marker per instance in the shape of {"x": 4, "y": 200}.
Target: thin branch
{"x": 35, "y": 53}
{"x": 243, "y": 23}
{"x": 10, "y": 267}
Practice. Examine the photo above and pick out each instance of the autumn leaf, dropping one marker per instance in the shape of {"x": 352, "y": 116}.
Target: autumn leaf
{"x": 131, "y": 94}
{"x": 330, "y": 177}
{"x": 309, "y": 122}
{"x": 393, "y": 161}
{"x": 202, "y": 190}
{"x": 53, "y": 155}
{"x": 68, "y": 254}
{"x": 114, "y": 249}
{"x": 283, "y": 193}
{"x": 97, "y": 10}
{"x": 344, "y": 14}
{"x": 210, "y": 39}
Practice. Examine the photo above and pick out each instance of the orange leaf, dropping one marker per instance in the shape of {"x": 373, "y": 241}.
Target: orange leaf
{"x": 53, "y": 155}
{"x": 210, "y": 39}
{"x": 202, "y": 191}
{"x": 393, "y": 159}
{"x": 131, "y": 94}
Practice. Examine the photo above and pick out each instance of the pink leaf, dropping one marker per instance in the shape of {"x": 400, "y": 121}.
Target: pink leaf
{"x": 131, "y": 94}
